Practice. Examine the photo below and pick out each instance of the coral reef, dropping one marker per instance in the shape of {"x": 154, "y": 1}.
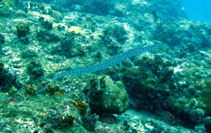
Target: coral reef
{"x": 112, "y": 37}
{"x": 54, "y": 119}
{"x": 89, "y": 121}
{"x": 46, "y": 24}
{"x": 5, "y": 5}
{"x": 7, "y": 80}
{"x": 45, "y": 36}
{"x": 57, "y": 15}
{"x": 86, "y": 44}
{"x": 109, "y": 97}
{"x": 172, "y": 33}
{"x": 205, "y": 96}
{"x": 29, "y": 54}
{"x": 35, "y": 69}
{"x": 149, "y": 81}
{"x": 190, "y": 97}
{"x": 70, "y": 48}
{"x": 22, "y": 30}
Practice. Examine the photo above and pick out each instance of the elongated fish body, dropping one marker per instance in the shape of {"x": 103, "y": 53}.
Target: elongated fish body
{"x": 117, "y": 59}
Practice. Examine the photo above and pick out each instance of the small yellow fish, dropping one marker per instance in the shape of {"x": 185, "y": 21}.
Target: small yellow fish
{"x": 59, "y": 93}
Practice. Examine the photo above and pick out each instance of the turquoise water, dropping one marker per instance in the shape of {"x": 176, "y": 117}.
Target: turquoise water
{"x": 198, "y": 10}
